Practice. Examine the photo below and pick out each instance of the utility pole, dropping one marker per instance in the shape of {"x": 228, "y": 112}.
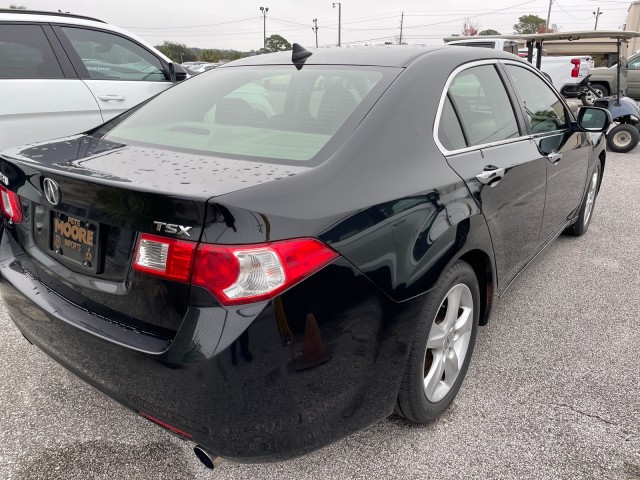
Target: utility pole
{"x": 546, "y": 27}
{"x": 597, "y": 15}
{"x": 339, "y": 19}
{"x": 315, "y": 29}
{"x": 401, "y": 22}
{"x": 264, "y": 11}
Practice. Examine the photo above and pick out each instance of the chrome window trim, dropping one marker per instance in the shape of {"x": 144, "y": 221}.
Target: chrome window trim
{"x": 443, "y": 96}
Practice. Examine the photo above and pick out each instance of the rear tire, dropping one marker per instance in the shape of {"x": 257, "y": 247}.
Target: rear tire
{"x": 442, "y": 346}
{"x": 600, "y": 88}
{"x": 623, "y": 138}
{"x": 588, "y": 202}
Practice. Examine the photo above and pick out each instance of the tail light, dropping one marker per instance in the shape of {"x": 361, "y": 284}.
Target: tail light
{"x": 233, "y": 274}
{"x": 575, "y": 71}
{"x": 11, "y": 206}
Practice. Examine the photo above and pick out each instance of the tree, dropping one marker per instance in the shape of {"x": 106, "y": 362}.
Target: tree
{"x": 469, "y": 29}
{"x": 208, "y": 55}
{"x": 17, "y": 7}
{"x": 489, "y": 31}
{"x": 276, "y": 43}
{"x": 530, "y": 24}
{"x": 178, "y": 52}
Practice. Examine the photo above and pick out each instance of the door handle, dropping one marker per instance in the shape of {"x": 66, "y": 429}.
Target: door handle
{"x": 554, "y": 157}
{"x": 111, "y": 98}
{"x": 490, "y": 176}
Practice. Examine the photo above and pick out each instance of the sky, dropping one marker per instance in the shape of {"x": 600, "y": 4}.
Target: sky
{"x": 239, "y": 24}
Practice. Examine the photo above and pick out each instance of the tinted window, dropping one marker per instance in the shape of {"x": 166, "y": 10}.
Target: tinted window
{"x": 274, "y": 112}
{"x": 481, "y": 101}
{"x": 25, "y": 52}
{"x": 449, "y": 131}
{"x": 111, "y": 57}
{"x": 545, "y": 111}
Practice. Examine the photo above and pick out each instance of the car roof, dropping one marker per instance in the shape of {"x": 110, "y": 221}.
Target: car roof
{"x": 33, "y": 16}
{"x": 373, "y": 55}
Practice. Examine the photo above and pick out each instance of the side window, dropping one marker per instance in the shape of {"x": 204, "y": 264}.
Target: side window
{"x": 25, "y": 52}
{"x": 449, "y": 130}
{"x": 483, "y": 106}
{"x": 634, "y": 64}
{"x": 111, "y": 57}
{"x": 545, "y": 111}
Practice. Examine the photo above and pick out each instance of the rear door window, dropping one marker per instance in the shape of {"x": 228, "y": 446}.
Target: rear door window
{"x": 25, "y": 53}
{"x": 450, "y": 132}
{"x": 481, "y": 101}
{"x": 110, "y": 57}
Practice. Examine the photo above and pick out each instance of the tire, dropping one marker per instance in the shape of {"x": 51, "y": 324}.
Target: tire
{"x": 600, "y": 88}
{"x": 448, "y": 337}
{"x": 588, "y": 202}
{"x": 623, "y": 138}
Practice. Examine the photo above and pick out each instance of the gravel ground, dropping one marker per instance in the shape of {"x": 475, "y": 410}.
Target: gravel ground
{"x": 553, "y": 390}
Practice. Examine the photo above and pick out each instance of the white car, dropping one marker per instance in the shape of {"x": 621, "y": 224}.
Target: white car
{"x": 62, "y": 74}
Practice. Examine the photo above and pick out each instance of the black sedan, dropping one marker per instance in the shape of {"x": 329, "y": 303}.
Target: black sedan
{"x": 271, "y": 256}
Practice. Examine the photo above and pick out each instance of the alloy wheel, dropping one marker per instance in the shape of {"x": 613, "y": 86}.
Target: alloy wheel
{"x": 591, "y": 197}
{"x": 448, "y": 342}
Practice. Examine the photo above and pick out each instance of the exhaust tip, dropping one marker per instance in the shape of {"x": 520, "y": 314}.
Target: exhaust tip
{"x": 208, "y": 460}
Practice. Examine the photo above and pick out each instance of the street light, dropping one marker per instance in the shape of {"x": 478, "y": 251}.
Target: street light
{"x": 264, "y": 11}
{"x": 597, "y": 15}
{"x": 315, "y": 29}
{"x": 339, "y": 18}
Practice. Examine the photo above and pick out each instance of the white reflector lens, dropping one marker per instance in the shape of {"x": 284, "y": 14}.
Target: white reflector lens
{"x": 152, "y": 254}
{"x": 260, "y": 271}
{"x": 6, "y": 204}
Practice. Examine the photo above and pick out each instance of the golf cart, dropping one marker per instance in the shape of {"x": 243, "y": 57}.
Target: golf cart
{"x": 623, "y": 136}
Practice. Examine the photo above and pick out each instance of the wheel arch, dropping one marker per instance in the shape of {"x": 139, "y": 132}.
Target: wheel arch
{"x": 603, "y": 160}
{"x": 481, "y": 264}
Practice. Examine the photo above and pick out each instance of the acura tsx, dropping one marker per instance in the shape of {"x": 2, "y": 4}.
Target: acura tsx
{"x": 285, "y": 249}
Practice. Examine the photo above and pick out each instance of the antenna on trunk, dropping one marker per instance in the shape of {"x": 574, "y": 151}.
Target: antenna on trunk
{"x": 299, "y": 55}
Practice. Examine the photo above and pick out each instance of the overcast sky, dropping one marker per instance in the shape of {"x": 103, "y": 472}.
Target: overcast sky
{"x": 239, "y": 24}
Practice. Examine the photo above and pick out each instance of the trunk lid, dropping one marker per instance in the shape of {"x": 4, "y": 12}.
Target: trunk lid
{"x": 81, "y": 243}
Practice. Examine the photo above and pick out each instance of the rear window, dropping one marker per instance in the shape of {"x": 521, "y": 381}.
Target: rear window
{"x": 267, "y": 113}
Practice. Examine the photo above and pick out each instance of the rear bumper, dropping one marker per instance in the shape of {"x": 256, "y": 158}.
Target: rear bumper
{"x": 234, "y": 379}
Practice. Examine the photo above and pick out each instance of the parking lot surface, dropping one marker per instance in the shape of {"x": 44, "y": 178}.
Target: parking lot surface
{"x": 553, "y": 389}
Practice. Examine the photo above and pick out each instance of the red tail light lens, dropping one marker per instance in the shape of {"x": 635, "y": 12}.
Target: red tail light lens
{"x": 233, "y": 274}
{"x": 575, "y": 71}
{"x": 11, "y": 207}
{"x": 249, "y": 273}
{"x": 165, "y": 425}
{"x": 164, "y": 257}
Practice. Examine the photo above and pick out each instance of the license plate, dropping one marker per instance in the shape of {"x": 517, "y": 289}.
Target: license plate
{"x": 75, "y": 239}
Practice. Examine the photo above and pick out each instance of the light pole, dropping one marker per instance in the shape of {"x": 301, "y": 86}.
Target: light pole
{"x": 597, "y": 15}
{"x": 339, "y": 18}
{"x": 264, "y": 11}
{"x": 546, "y": 27}
{"x": 315, "y": 29}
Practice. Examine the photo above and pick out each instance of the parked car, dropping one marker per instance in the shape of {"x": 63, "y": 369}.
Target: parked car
{"x": 264, "y": 280}
{"x": 62, "y": 74}
{"x": 201, "y": 67}
{"x": 604, "y": 79}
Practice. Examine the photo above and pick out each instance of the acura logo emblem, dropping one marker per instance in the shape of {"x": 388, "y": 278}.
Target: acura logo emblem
{"x": 51, "y": 191}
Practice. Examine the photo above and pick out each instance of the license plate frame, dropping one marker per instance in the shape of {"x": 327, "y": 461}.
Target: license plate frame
{"x": 75, "y": 239}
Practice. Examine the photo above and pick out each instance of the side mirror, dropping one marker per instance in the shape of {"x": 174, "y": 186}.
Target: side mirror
{"x": 593, "y": 119}
{"x": 177, "y": 73}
